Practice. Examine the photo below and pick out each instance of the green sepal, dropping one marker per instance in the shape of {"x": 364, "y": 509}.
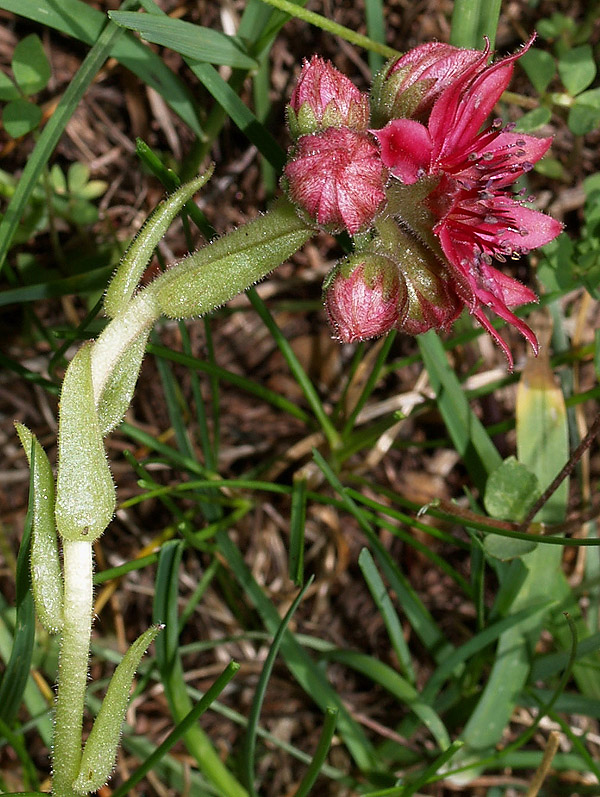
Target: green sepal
{"x": 85, "y": 493}
{"x": 117, "y": 394}
{"x": 133, "y": 263}
{"x": 224, "y": 268}
{"x": 46, "y": 576}
{"x": 100, "y": 751}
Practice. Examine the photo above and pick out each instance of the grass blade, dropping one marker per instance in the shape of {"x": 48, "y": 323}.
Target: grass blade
{"x": 242, "y": 382}
{"x": 397, "y": 686}
{"x": 182, "y": 727}
{"x": 83, "y": 22}
{"x": 325, "y": 738}
{"x": 387, "y": 612}
{"x": 170, "y": 667}
{"x": 332, "y": 27}
{"x": 308, "y": 675}
{"x": 419, "y": 617}
{"x": 297, "y": 526}
{"x": 16, "y": 673}
{"x": 472, "y": 20}
{"x": 194, "y": 41}
{"x": 470, "y": 439}
{"x": 294, "y": 365}
{"x": 261, "y": 688}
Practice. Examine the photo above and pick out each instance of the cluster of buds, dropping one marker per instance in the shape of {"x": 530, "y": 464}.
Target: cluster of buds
{"x": 411, "y": 166}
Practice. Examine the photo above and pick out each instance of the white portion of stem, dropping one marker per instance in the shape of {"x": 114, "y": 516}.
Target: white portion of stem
{"x": 73, "y": 665}
{"x": 120, "y": 333}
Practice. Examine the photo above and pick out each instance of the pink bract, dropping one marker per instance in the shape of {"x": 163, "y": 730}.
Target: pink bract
{"x": 475, "y": 215}
{"x": 409, "y": 86}
{"x": 338, "y": 179}
{"x": 367, "y": 302}
{"x": 324, "y": 97}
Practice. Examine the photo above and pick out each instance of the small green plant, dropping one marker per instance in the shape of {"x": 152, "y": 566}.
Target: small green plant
{"x": 31, "y": 74}
{"x": 68, "y": 196}
{"x": 572, "y": 61}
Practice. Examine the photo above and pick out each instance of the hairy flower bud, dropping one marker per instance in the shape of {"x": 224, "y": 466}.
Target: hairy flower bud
{"x": 324, "y": 97}
{"x": 432, "y": 298}
{"x": 365, "y": 296}
{"x": 337, "y": 179}
{"x": 407, "y": 87}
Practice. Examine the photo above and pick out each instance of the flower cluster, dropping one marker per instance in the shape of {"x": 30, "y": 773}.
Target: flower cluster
{"x": 427, "y": 180}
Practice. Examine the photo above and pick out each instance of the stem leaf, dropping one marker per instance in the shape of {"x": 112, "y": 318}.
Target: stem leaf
{"x": 46, "y": 576}
{"x": 85, "y": 493}
{"x": 139, "y": 252}
{"x": 118, "y": 391}
{"x": 100, "y": 751}
{"x": 231, "y": 264}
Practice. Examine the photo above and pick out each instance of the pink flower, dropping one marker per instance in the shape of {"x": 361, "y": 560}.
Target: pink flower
{"x": 324, "y": 97}
{"x": 364, "y": 297}
{"x": 408, "y": 86}
{"x": 464, "y": 180}
{"x": 337, "y": 178}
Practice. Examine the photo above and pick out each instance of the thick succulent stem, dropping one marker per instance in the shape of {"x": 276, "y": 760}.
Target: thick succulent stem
{"x": 73, "y": 666}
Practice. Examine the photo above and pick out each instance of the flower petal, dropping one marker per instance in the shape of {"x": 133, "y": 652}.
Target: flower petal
{"x": 512, "y": 292}
{"x": 508, "y": 156}
{"x": 531, "y": 227}
{"x": 455, "y": 120}
{"x": 405, "y": 149}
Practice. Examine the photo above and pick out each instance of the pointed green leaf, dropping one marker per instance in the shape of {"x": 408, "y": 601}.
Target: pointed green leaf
{"x": 137, "y": 256}
{"x": 193, "y": 41}
{"x": 117, "y": 394}
{"x": 100, "y": 751}
{"x": 533, "y": 120}
{"x": 240, "y": 259}
{"x": 540, "y": 67}
{"x": 85, "y": 493}
{"x": 46, "y": 576}
{"x": 30, "y": 65}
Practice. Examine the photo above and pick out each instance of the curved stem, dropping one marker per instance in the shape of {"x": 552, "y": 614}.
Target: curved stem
{"x": 119, "y": 335}
{"x": 211, "y": 276}
{"x": 73, "y": 666}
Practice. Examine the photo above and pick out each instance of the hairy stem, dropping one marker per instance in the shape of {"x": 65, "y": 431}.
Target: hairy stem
{"x": 73, "y": 666}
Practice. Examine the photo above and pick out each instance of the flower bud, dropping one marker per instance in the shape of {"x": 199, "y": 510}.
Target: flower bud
{"x": 407, "y": 87}
{"x": 433, "y": 302}
{"x": 433, "y": 294}
{"x": 336, "y": 179}
{"x": 324, "y": 97}
{"x": 365, "y": 296}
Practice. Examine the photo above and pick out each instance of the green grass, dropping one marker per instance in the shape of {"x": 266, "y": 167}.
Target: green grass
{"x": 262, "y": 553}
